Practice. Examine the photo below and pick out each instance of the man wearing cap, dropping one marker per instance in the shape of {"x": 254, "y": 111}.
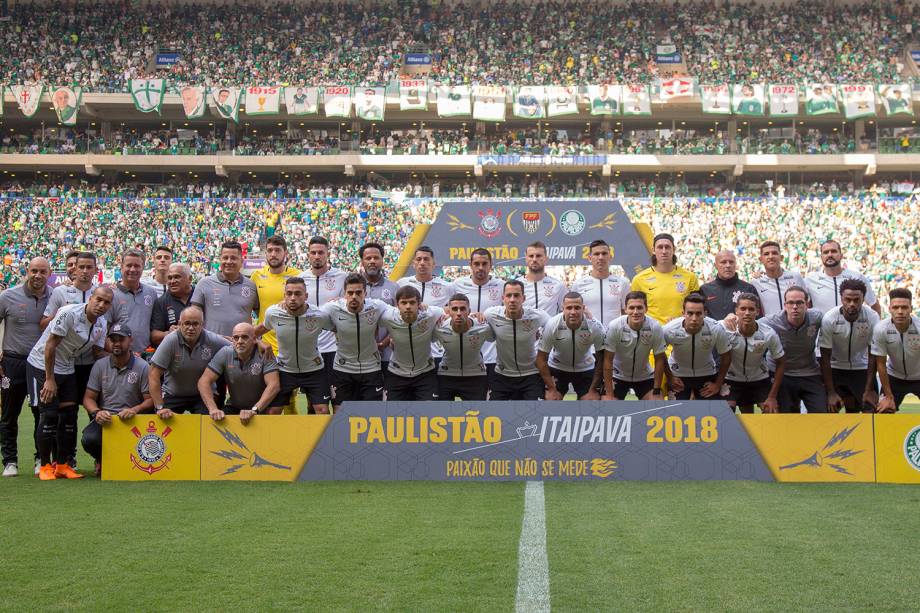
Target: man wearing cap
{"x": 118, "y": 385}
{"x": 252, "y": 380}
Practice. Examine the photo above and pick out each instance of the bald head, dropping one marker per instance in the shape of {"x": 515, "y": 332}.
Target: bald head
{"x": 37, "y": 275}
{"x": 191, "y": 323}
{"x": 726, "y": 264}
{"x": 244, "y": 339}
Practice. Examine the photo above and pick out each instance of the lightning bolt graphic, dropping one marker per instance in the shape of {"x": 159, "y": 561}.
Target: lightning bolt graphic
{"x": 840, "y": 469}
{"x": 232, "y": 469}
{"x": 843, "y": 454}
{"x": 840, "y": 436}
{"x": 229, "y": 454}
{"x": 232, "y": 438}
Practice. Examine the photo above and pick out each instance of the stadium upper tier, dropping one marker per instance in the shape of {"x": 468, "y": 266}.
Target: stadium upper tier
{"x": 102, "y": 45}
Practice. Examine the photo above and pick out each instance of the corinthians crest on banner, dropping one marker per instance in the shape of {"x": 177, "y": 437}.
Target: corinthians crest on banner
{"x": 152, "y": 453}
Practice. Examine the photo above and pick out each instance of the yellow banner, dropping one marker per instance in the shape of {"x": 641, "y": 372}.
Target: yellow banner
{"x": 147, "y": 448}
{"x": 814, "y": 448}
{"x": 897, "y": 448}
{"x": 266, "y": 449}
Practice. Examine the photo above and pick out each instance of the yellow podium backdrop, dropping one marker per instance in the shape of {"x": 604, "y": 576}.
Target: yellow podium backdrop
{"x": 147, "y": 448}
{"x": 815, "y": 448}
{"x": 897, "y": 448}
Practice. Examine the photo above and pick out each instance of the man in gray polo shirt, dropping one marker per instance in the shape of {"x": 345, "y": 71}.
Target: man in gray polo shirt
{"x": 21, "y": 309}
{"x": 133, "y": 302}
{"x": 797, "y": 327}
{"x": 252, "y": 381}
{"x": 179, "y": 361}
{"x": 118, "y": 385}
{"x": 227, "y": 298}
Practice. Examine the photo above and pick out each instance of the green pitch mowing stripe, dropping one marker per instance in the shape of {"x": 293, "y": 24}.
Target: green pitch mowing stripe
{"x": 533, "y": 572}
{"x": 732, "y": 546}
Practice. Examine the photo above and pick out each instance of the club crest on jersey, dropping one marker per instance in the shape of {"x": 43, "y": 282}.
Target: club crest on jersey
{"x": 206, "y": 353}
{"x": 245, "y": 292}
{"x": 548, "y": 290}
{"x": 151, "y": 449}
{"x": 645, "y": 337}
{"x": 329, "y": 284}
{"x": 494, "y": 293}
{"x": 584, "y": 337}
{"x": 862, "y": 329}
{"x": 531, "y": 221}
{"x": 132, "y": 377}
{"x": 437, "y": 291}
{"x": 491, "y": 224}
{"x": 255, "y": 369}
{"x": 681, "y": 286}
{"x": 812, "y": 330}
{"x": 310, "y": 324}
{"x": 148, "y": 300}
{"x": 386, "y": 294}
{"x": 527, "y": 325}
{"x": 913, "y": 341}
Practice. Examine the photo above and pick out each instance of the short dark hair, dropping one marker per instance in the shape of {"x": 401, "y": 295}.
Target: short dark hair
{"x": 573, "y": 296}
{"x": 512, "y": 282}
{"x": 459, "y": 296}
{"x": 318, "y": 240}
{"x": 87, "y": 255}
{"x": 425, "y": 249}
{"x": 900, "y": 292}
{"x": 295, "y": 281}
{"x": 134, "y": 253}
{"x": 165, "y": 248}
{"x": 750, "y": 298}
{"x": 766, "y": 244}
{"x": 354, "y": 278}
{"x": 853, "y": 284}
{"x": 71, "y": 254}
{"x": 694, "y": 298}
{"x": 670, "y": 239}
{"x": 367, "y": 246}
{"x": 235, "y": 245}
{"x": 636, "y": 295}
{"x": 481, "y": 251}
{"x": 797, "y": 288}
{"x": 830, "y": 240}
{"x": 277, "y": 240}
{"x": 407, "y": 291}
{"x": 537, "y": 245}
{"x": 597, "y": 243}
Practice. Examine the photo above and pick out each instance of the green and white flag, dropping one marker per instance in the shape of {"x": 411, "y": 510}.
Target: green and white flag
{"x": 301, "y": 100}
{"x": 530, "y": 102}
{"x": 748, "y": 99}
{"x": 28, "y": 97}
{"x": 227, "y": 102}
{"x": 820, "y": 99}
{"x": 637, "y": 100}
{"x": 489, "y": 102}
{"x": 413, "y": 95}
{"x": 193, "y": 101}
{"x": 561, "y": 101}
{"x": 454, "y": 100}
{"x": 66, "y": 103}
{"x": 784, "y": 100}
{"x": 604, "y": 99}
{"x": 716, "y": 99}
{"x": 147, "y": 94}
{"x": 370, "y": 103}
{"x": 896, "y": 99}
{"x": 858, "y": 100}
{"x": 337, "y": 101}
{"x": 263, "y": 100}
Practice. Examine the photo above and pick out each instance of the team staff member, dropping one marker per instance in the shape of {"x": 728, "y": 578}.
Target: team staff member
{"x": 133, "y": 302}
{"x": 411, "y": 374}
{"x": 722, "y": 293}
{"x": 629, "y": 341}
{"x": 252, "y": 380}
{"x": 540, "y": 290}
{"x": 484, "y": 292}
{"x": 570, "y": 352}
{"x": 21, "y": 310}
{"x": 227, "y": 297}
{"x": 773, "y": 282}
{"x": 748, "y": 377}
{"x": 168, "y": 307}
{"x": 269, "y": 281}
{"x": 118, "y": 385}
{"x": 52, "y": 378}
{"x": 158, "y": 278}
{"x": 896, "y": 347}
{"x": 324, "y": 284}
{"x": 844, "y": 340}
{"x": 824, "y": 286}
{"x": 179, "y": 362}
{"x": 462, "y": 373}
{"x": 356, "y": 371}
{"x": 664, "y": 283}
{"x": 693, "y": 339}
{"x": 297, "y": 325}
{"x": 797, "y": 327}
{"x": 516, "y": 330}
{"x": 604, "y": 294}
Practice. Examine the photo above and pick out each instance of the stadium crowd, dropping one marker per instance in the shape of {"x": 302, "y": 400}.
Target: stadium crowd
{"x": 102, "y": 45}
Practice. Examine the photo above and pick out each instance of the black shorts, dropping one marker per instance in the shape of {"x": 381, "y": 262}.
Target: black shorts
{"x": 640, "y": 388}
{"x": 66, "y": 389}
{"x": 528, "y": 387}
{"x": 328, "y": 363}
{"x": 806, "y": 390}
{"x": 748, "y": 393}
{"x": 417, "y": 388}
{"x": 465, "y": 388}
{"x": 82, "y": 374}
{"x": 580, "y": 381}
{"x": 185, "y": 404}
{"x": 693, "y": 387}
{"x": 354, "y": 386}
{"x": 902, "y": 387}
{"x": 314, "y": 385}
{"x": 851, "y": 385}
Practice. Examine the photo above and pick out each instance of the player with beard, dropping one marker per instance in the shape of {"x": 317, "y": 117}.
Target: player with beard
{"x": 773, "y": 281}
{"x": 462, "y": 373}
{"x": 571, "y": 352}
{"x": 824, "y": 286}
{"x": 378, "y": 288}
{"x": 540, "y": 290}
{"x": 411, "y": 374}
{"x": 484, "y": 292}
